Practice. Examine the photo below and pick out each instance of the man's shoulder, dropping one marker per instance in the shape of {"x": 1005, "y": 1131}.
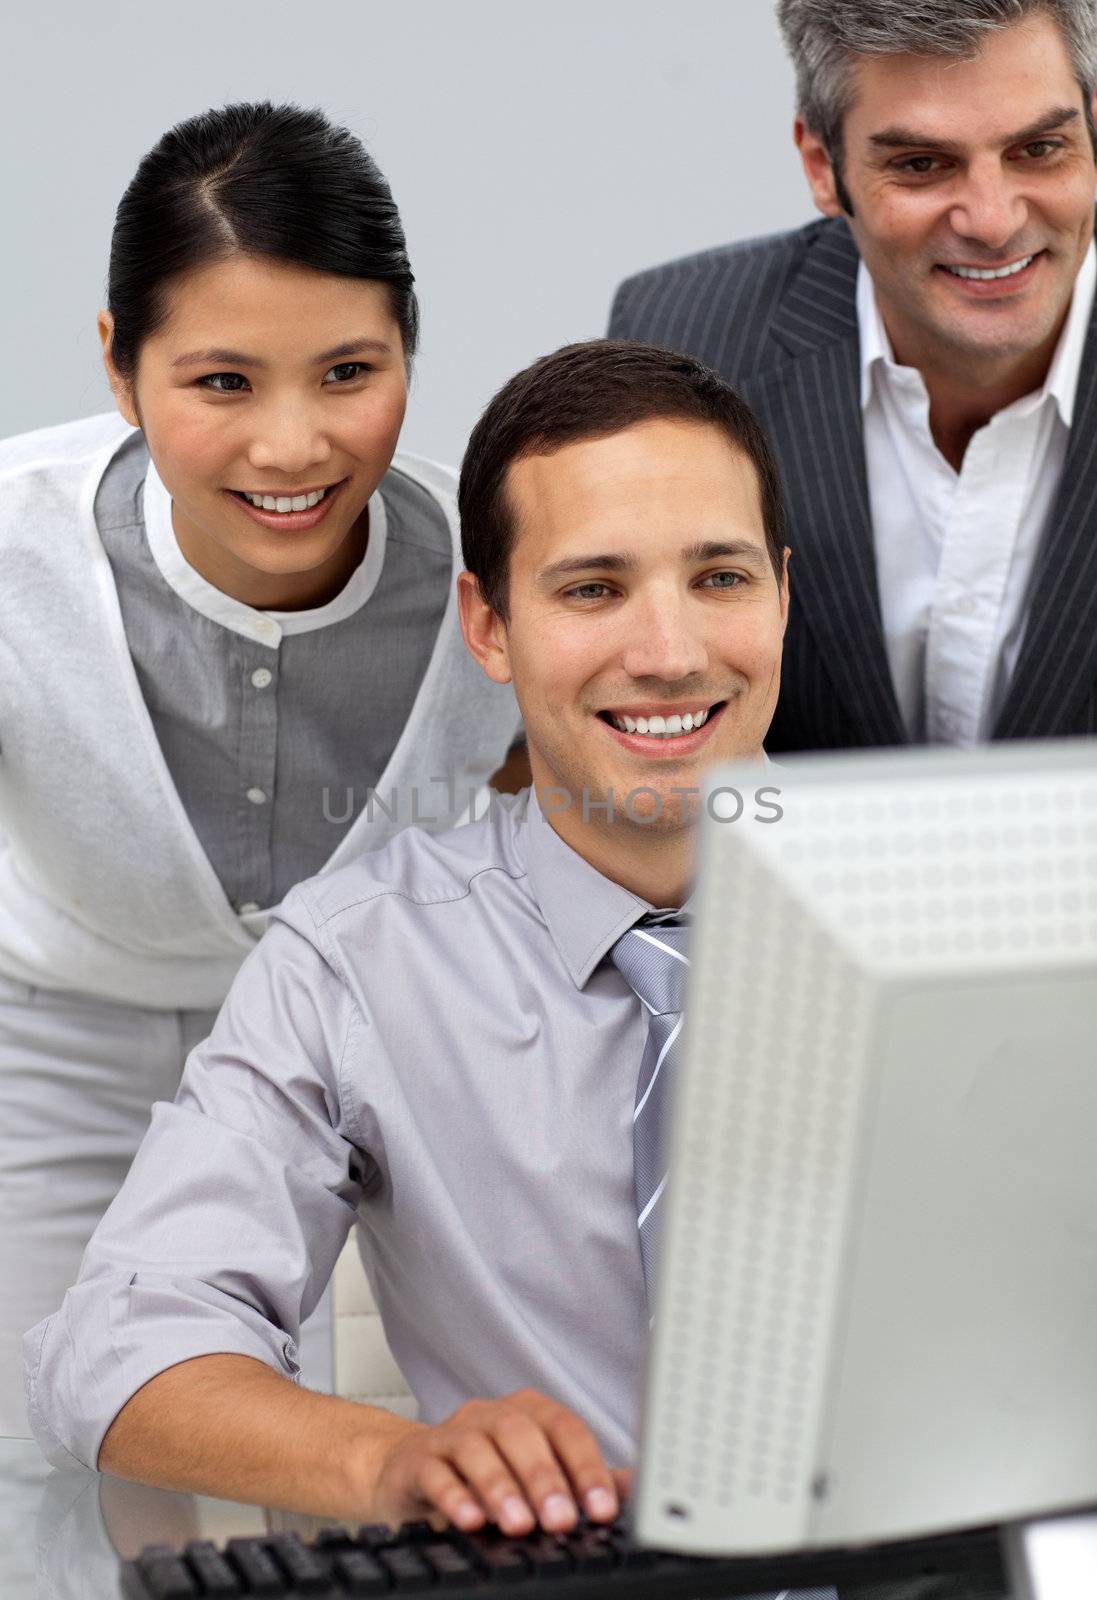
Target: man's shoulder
{"x": 417, "y": 870}
{"x": 715, "y": 303}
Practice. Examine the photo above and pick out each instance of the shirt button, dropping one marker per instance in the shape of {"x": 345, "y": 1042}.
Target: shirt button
{"x": 261, "y": 677}
{"x": 265, "y": 628}
{"x": 258, "y": 797}
{"x": 246, "y": 907}
{"x": 966, "y": 605}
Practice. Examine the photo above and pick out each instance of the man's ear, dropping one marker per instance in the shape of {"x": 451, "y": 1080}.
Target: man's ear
{"x": 484, "y": 631}
{"x": 119, "y": 388}
{"x": 784, "y": 590}
{"x": 818, "y": 170}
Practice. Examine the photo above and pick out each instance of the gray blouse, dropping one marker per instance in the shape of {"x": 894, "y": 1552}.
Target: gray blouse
{"x": 275, "y": 747}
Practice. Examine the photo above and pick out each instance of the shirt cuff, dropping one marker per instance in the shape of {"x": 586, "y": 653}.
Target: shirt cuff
{"x": 129, "y": 1332}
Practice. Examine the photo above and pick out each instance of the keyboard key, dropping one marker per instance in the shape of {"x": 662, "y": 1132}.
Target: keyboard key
{"x": 360, "y": 1574}
{"x": 214, "y": 1573}
{"x": 332, "y": 1538}
{"x": 548, "y": 1554}
{"x": 590, "y": 1552}
{"x": 307, "y": 1573}
{"x": 406, "y": 1567}
{"x": 501, "y": 1559}
{"x": 260, "y": 1574}
{"x": 451, "y": 1566}
{"x": 165, "y": 1575}
{"x": 376, "y": 1535}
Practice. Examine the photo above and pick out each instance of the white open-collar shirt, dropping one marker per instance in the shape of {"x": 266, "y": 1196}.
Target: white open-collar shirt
{"x": 955, "y": 551}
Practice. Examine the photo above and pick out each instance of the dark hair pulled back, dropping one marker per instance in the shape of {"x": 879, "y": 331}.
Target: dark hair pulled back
{"x": 264, "y": 180}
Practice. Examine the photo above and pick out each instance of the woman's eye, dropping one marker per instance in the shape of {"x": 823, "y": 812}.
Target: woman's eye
{"x": 224, "y": 382}
{"x": 346, "y": 372}
{"x": 723, "y": 580}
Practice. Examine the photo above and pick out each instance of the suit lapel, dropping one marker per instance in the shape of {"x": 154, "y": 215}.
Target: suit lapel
{"x": 811, "y": 407}
{"x": 1057, "y": 665}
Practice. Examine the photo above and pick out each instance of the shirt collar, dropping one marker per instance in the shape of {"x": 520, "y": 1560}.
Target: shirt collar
{"x": 263, "y": 627}
{"x": 584, "y": 911}
{"x": 1061, "y": 382}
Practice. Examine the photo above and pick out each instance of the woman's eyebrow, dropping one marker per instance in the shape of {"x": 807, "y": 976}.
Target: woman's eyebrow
{"x": 238, "y": 358}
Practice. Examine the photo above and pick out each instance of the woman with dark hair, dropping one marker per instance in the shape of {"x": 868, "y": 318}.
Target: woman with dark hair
{"x": 229, "y": 653}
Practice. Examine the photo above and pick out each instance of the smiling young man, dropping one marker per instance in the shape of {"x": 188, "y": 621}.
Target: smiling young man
{"x": 440, "y": 1038}
{"x": 924, "y": 363}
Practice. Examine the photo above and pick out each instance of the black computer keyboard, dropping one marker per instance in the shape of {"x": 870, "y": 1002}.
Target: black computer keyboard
{"x": 593, "y": 1563}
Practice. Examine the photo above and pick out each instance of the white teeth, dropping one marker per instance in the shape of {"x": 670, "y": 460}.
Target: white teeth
{"x": 285, "y": 502}
{"x": 662, "y": 727}
{"x": 997, "y": 272}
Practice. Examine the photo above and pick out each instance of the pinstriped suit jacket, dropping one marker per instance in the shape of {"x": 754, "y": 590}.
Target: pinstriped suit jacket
{"x": 777, "y": 318}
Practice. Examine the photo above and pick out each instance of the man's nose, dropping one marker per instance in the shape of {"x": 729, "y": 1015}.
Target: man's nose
{"x": 991, "y": 210}
{"x": 665, "y": 641}
{"x": 288, "y": 439}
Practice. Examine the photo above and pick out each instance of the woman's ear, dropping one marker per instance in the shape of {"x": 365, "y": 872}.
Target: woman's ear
{"x": 122, "y": 390}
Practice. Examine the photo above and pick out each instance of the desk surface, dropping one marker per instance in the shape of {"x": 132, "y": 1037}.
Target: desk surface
{"x": 62, "y": 1533}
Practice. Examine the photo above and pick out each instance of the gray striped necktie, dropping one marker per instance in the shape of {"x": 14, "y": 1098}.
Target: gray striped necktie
{"x": 651, "y": 958}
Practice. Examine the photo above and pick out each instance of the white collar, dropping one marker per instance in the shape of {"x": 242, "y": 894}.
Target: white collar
{"x": 1061, "y": 382}
{"x": 263, "y": 627}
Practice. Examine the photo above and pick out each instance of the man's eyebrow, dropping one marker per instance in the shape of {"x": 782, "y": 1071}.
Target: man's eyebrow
{"x": 238, "y": 358}
{"x": 900, "y": 138}
{"x": 706, "y": 550}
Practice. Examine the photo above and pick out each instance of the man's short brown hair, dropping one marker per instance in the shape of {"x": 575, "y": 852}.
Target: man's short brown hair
{"x": 590, "y": 391}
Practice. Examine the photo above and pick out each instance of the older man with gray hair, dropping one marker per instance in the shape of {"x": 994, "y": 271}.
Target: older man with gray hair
{"x": 925, "y": 362}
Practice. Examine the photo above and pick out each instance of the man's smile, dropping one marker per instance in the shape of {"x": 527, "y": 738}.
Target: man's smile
{"x": 668, "y": 729}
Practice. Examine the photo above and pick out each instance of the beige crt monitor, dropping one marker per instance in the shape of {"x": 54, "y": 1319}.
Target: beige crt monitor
{"x": 877, "y": 1304}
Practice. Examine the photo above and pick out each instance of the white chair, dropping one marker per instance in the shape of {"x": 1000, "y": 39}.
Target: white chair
{"x": 363, "y": 1365}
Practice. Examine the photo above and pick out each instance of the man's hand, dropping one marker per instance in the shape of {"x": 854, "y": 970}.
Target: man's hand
{"x": 518, "y": 1461}
{"x": 229, "y": 1425}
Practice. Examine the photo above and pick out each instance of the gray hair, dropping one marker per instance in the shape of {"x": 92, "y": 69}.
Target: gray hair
{"x": 822, "y": 35}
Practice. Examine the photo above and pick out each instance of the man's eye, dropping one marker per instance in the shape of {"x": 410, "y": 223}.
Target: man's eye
{"x": 723, "y": 580}
{"x": 589, "y": 591}
{"x": 224, "y": 382}
{"x": 917, "y": 166}
{"x": 1040, "y": 149}
{"x": 346, "y": 372}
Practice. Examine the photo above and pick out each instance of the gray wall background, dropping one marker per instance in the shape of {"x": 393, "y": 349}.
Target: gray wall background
{"x": 538, "y": 155}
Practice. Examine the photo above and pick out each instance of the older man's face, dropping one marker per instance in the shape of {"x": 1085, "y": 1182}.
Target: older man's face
{"x": 972, "y": 184}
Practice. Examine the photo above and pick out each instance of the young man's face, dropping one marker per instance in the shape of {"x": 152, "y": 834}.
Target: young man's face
{"x": 955, "y": 167}
{"x": 640, "y": 587}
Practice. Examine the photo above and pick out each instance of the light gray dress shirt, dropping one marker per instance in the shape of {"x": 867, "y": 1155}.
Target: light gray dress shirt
{"x": 431, "y": 1037}
{"x": 273, "y": 748}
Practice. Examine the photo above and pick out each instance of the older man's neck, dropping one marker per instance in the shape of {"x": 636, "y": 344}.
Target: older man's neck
{"x": 965, "y": 395}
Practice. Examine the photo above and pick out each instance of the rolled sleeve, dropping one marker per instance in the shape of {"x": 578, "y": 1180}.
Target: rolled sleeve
{"x": 235, "y": 1209}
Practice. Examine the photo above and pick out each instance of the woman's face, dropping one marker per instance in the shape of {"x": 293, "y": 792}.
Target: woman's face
{"x": 268, "y": 381}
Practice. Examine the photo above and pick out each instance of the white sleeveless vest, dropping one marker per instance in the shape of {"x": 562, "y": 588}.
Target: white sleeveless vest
{"x": 104, "y": 887}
